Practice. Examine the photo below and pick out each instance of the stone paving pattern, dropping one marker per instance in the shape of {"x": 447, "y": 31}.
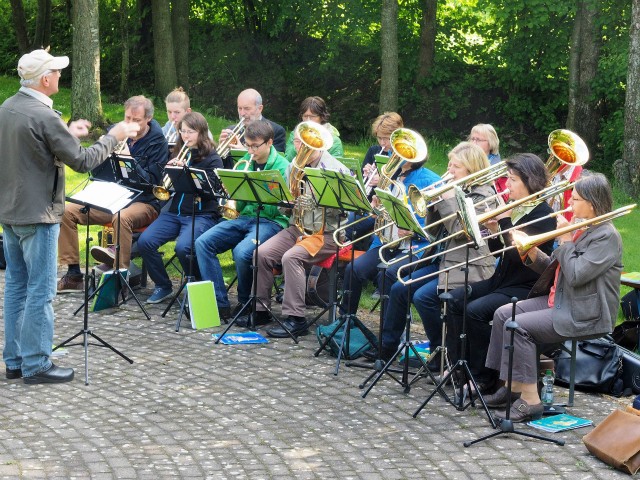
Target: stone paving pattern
{"x": 187, "y": 408}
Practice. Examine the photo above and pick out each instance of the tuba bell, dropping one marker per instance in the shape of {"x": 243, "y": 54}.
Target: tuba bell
{"x": 314, "y": 138}
{"x": 566, "y": 149}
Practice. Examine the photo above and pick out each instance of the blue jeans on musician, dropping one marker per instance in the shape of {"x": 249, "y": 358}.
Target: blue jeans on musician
{"x": 30, "y": 287}
{"x": 396, "y": 313}
{"x": 239, "y": 235}
{"x": 169, "y": 226}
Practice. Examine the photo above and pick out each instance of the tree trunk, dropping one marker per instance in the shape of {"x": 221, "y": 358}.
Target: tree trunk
{"x": 20, "y": 26}
{"x": 43, "y": 25}
{"x": 627, "y": 170}
{"x": 426, "y": 54}
{"x": 584, "y": 115}
{"x": 180, "y": 28}
{"x": 389, "y": 56}
{"x": 164, "y": 60}
{"x": 124, "y": 35}
{"x": 85, "y": 86}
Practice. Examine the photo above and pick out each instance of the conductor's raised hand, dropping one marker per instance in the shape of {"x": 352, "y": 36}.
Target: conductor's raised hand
{"x": 79, "y": 128}
{"x": 124, "y": 130}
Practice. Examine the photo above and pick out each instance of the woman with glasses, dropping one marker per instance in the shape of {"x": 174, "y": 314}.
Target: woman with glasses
{"x": 485, "y": 136}
{"x": 174, "y": 222}
{"x": 576, "y": 297}
{"x": 314, "y": 109}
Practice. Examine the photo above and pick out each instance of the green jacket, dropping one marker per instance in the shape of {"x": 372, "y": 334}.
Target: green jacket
{"x": 336, "y": 149}
{"x": 275, "y": 162}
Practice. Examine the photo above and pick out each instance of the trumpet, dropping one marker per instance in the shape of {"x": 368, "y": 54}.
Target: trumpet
{"x": 238, "y": 131}
{"x": 423, "y": 199}
{"x": 172, "y": 134}
{"x": 228, "y": 207}
{"x": 526, "y": 243}
{"x": 162, "y": 192}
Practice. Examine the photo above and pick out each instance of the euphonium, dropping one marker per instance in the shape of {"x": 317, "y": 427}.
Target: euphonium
{"x": 225, "y": 146}
{"x": 407, "y": 146}
{"x": 314, "y": 137}
{"x": 163, "y": 192}
{"x": 565, "y": 149}
{"x": 228, "y": 207}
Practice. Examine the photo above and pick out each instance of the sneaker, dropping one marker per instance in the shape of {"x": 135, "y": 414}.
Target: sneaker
{"x": 71, "y": 283}
{"x": 376, "y": 295}
{"x": 159, "y": 295}
{"x": 104, "y": 255}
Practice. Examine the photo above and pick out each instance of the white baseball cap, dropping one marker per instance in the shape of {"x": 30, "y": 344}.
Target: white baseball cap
{"x": 37, "y": 62}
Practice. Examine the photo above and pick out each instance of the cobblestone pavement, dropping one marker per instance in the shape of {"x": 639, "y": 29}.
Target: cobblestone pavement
{"x": 187, "y": 408}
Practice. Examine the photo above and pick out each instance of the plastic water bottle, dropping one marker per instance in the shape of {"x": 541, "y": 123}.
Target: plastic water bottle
{"x": 547, "y": 388}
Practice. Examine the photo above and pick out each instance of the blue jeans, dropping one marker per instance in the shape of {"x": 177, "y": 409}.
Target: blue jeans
{"x": 31, "y": 252}
{"x": 239, "y": 235}
{"x": 166, "y": 227}
{"x": 396, "y": 312}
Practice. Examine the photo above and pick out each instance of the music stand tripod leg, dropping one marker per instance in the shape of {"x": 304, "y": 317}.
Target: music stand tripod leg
{"x": 506, "y": 425}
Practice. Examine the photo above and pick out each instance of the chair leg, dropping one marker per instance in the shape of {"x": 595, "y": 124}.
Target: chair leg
{"x": 572, "y": 372}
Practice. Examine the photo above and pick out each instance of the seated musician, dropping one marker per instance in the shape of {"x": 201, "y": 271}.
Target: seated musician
{"x": 194, "y": 149}
{"x": 296, "y": 249}
{"x": 149, "y": 149}
{"x": 485, "y": 136}
{"x": 239, "y": 234}
{"x": 365, "y": 267}
{"x": 466, "y": 158}
{"x": 381, "y": 128}
{"x": 576, "y": 297}
{"x": 177, "y": 103}
{"x": 526, "y": 174}
{"x": 250, "y": 109}
{"x": 315, "y": 109}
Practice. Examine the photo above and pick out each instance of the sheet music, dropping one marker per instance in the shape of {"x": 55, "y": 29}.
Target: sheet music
{"x": 106, "y": 195}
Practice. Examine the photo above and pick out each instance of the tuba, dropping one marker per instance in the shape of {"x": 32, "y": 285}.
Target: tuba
{"x": 566, "y": 149}
{"x": 314, "y": 138}
{"x": 225, "y": 146}
{"x": 228, "y": 207}
{"x": 407, "y": 146}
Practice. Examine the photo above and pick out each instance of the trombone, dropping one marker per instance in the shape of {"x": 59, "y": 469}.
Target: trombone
{"x": 225, "y": 146}
{"x": 526, "y": 243}
{"x": 162, "y": 192}
{"x": 534, "y": 198}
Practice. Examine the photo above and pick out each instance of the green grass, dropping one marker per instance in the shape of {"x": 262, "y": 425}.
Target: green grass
{"x": 437, "y": 161}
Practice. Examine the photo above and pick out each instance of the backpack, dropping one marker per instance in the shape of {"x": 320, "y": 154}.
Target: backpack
{"x": 361, "y": 339}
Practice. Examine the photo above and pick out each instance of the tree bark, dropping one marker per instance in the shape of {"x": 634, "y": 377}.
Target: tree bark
{"x": 85, "y": 85}
{"x": 20, "y": 26}
{"x": 124, "y": 35}
{"x": 42, "y": 34}
{"x": 164, "y": 59}
{"x": 584, "y": 115}
{"x": 428, "y": 27}
{"x": 627, "y": 170}
{"x": 180, "y": 28}
{"x": 389, "y": 56}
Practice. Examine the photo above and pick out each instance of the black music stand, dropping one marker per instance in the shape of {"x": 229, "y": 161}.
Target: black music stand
{"x": 506, "y": 425}
{"x": 193, "y": 181}
{"x": 265, "y": 187}
{"x": 405, "y": 219}
{"x": 107, "y": 198}
{"x": 341, "y": 191}
{"x": 467, "y": 216}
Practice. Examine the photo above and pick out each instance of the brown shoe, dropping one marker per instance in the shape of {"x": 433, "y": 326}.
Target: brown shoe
{"x": 104, "y": 255}
{"x": 499, "y": 399}
{"x": 521, "y": 411}
{"x": 70, "y": 283}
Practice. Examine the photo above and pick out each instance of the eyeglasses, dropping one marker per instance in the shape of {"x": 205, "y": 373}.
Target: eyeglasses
{"x": 310, "y": 117}
{"x": 187, "y": 132}
{"x": 477, "y": 140}
{"x": 254, "y": 147}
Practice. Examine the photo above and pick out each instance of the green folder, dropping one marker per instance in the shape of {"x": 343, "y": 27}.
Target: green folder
{"x": 203, "y": 308}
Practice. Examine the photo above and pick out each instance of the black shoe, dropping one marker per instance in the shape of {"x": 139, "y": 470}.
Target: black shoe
{"x": 260, "y": 318}
{"x": 53, "y": 374}
{"x": 224, "y": 313}
{"x": 13, "y": 374}
{"x": 296, "y": 326}
{"x": 371, "y": 354}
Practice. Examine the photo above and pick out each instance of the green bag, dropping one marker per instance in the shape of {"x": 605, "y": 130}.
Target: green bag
{"x": 361, "y": 339}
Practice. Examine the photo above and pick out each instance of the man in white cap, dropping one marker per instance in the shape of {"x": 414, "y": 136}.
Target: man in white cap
{"x": 37, "y": 144}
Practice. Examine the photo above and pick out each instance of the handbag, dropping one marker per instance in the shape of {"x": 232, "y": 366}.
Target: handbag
{"x": 598, "y": 366}
{"x": 616, "y": 441}
{"x": 361, "y": 339}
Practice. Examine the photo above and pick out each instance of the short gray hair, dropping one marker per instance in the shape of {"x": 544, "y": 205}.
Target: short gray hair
{"x": 140, "y": 101}
{"x": 34, "y": 81}
{"x": 595, "y": 189}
